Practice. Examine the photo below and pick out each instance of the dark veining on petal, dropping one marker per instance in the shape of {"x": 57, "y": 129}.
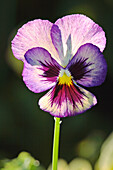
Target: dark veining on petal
{"x": 72, "y": 93}
{"x": 76, "y": 95}
{"x": 50, "y": 70}
{"x": 80, "y": 68}
{"x": 57, "y": 93}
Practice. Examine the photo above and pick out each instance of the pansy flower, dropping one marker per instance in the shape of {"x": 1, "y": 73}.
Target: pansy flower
{"x": 63, "y": 57}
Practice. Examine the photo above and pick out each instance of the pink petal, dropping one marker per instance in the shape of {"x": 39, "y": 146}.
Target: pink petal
{"x": 40, "y": 71}
{"x": 78, "y": 30}
{"x": 64, "y": 100}
{"x": 57, "y": 40}
{"x": 88, "y": 67}
{"x": 33, "y": 34}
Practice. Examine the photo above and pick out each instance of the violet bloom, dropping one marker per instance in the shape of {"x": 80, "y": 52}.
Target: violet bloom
{"x": 61, "y": 57}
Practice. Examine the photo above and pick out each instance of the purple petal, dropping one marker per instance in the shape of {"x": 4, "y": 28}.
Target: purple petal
{"x": 81, "y": 30}
{"x": 40, "y": 70}
{"x": 88, "y": 67}
{"x": 57, "y": 40}
{"x": 64, "y": 100}
{"x": 33, "y": 34}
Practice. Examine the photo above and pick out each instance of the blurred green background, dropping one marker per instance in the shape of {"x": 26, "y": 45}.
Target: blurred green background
{"x": 23, "y": 126}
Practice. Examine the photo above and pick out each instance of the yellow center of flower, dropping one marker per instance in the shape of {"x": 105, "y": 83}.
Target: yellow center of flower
{"x": 65, "y": 79}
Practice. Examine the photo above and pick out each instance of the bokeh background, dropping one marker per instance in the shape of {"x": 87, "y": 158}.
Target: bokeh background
{"x": 23, "y": 126}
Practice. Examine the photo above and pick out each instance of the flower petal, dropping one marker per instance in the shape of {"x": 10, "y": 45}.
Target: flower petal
{"x": 33, "y": 34}
{"x": 40, "y": 70}
{"x": 57, "y": 40}
{"x": 88, "y": 67}
{"x": 79, "y": 30}
{"x": 64, "y": 100}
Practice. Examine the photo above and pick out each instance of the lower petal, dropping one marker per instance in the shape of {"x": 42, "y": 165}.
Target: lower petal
{"x": 64, "y": 100}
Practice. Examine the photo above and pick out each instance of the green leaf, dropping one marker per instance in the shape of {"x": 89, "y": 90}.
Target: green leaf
{"x": 24, "y": 161}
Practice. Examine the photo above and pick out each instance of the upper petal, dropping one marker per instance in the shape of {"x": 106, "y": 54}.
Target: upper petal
{"x": 33, "y": 34}
{"x": 77, "y": 30}
{"x": 88, "y": 67}
{"x": 57, "y": 41}
{"x": 40, "y": 70}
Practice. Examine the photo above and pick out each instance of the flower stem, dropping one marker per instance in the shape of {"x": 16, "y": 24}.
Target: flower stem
{"x": 56, "y": 143}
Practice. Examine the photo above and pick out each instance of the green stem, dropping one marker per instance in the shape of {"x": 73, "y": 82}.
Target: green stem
{"x": 56, "y": 143}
